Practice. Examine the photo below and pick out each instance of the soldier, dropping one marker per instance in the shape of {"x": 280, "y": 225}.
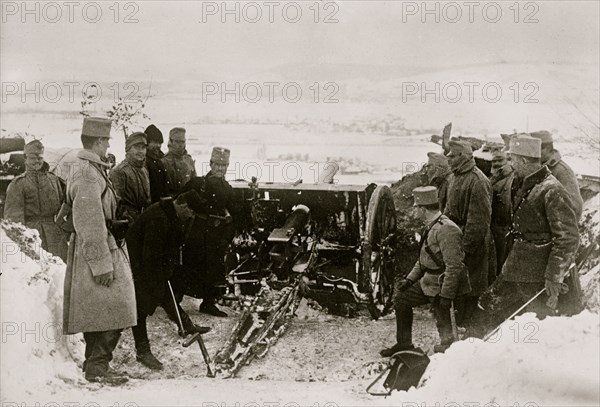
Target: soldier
{"x": 437, "y": 172}
{"x": 155, "y": 243}
{"x": 99, "y": 295}
{"x": 204, "y": 253}
{"x": 562, "y": 172}
{"x": 130, "y": 179}
{"x": 469, "y": 205}
{"x": 546, "y": 240}
{"x": 501, "y": 180}
{"x": 178, "y": 163}
{"x": 157, "y": 173}
{"x": 440, "y": 272}
{"x": 34, "y": 198}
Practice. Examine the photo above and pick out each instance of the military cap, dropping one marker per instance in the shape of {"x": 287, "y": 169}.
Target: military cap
{"x": 96, "y": 127}
{"x": 154, "y": 134}
{"x": 506, "y": 138}
{"x": 176, "y": 131}
{"x": 135, "y": 138}
{"x": 543, "y": 135}
{"x": 194, "y": 201}
{"x": 526, "y": 146}
{"x": 437, "y": 159}
{"x": 460, "y": 146}
{"x": 425, "y": 195}
{"x": 220, "y": 155}
{"x": 34, "y": 147}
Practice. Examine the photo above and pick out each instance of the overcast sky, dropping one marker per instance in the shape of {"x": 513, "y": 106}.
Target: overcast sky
{"x": 170, "y": 41}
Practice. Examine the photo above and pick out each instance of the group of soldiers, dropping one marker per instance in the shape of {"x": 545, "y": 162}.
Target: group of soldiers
{"x": 140, "y": 235}
{"x": 149, "y": 230}
{"x": 492, "y": 244}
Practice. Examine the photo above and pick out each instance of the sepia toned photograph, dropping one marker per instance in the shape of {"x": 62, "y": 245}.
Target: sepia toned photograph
{"x": 320, "y": 203}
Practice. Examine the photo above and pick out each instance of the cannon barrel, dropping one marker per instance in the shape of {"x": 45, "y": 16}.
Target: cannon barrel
{"x": 295, "y": 222}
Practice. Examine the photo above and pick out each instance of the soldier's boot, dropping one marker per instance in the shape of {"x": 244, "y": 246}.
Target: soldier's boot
{"x": 404, "y": 320}
{"x": 444, "y": 327}
{"x": 147, "y": 359}
{"x": 97, "y": 369}
{"x": 209, "y": 307}
{"x": 189, "y": 328}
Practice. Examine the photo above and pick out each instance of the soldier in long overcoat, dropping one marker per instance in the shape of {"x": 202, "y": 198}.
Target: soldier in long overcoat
{"x": 34, "y": 198}
{"x": 179, "y": 164}
{"x": 99, "y": 295}
{"x": 157, "y": 173}
{"x": 501, "y": 180}
{"x": 546, "y": 239}
{"x": 439, "y": 276}
{"x": 469, "y": 205}
{"x": 155, "y": 243}
{"x": 130, "y": 179}
{"x": 208, "y": 241}
{"x": 562, "y": 172}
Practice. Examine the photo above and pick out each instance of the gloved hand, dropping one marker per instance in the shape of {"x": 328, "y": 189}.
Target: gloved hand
{"x": 553, "y": 290}
{"x": 105, "y": 279}
{"x": 404, "y": 284}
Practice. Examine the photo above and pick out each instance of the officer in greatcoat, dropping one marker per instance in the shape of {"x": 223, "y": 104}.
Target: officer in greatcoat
{"x": 469, "y": 205}
{"x": 130, "y": 179}
{"x": 179, "y": 164}
{"x": 502, "y": 176}
{"x": 562, "y": 172}
{"x": 155, "y": 243}
{"x": 439, "y": 276}
{"x": 34, "y": 198}
{"x": 437, "y": 172}
{"x": 546, "y": 239}
{"x": 99, "y": 295}
{"x": 204, "y": 255}
{"x": 157, "y": 173}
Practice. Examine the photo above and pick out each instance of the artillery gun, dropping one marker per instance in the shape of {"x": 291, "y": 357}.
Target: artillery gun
{"x": 333, "y": 243}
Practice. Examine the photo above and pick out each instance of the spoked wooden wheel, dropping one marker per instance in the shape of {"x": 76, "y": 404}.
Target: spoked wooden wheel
{"x": 377, "y": 256}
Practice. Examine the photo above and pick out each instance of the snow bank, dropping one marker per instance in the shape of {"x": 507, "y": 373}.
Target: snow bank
{"x": 34, "y": 354}
{"x": 554, "y": 362}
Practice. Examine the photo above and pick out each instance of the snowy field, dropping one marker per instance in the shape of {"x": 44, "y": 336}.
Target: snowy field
{"x": 322, "y": 360}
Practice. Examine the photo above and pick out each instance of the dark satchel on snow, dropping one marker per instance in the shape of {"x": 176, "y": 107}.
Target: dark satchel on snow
{"x": 406, "y": 372}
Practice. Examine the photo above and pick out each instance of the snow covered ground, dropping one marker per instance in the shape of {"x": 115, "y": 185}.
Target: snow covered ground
{"x": 323, "y": 360}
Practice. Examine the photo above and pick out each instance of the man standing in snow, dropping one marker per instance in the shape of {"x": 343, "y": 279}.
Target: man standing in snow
{"x": 501, "y": 180}
{"x": 546, "y": 239}
{"x": 178, "y": 163}
{"x": 469, "y": 205}
{"x": 34, "y": 198}
{"x": 99, "y": 295}
{"x": 560, "y": 170}
{"x": 438, "y": 277}
{"x": 207, "y": 244}
{"x": 155, "y": 243}
{"x": 157, "y": 172}
{"x": 130, "y": 179}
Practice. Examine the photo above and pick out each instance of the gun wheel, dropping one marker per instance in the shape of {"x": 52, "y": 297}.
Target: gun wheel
{"x": 377, "y": 257}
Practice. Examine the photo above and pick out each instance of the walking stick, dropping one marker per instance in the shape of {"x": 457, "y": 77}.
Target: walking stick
{"x": 179, "y": 322}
